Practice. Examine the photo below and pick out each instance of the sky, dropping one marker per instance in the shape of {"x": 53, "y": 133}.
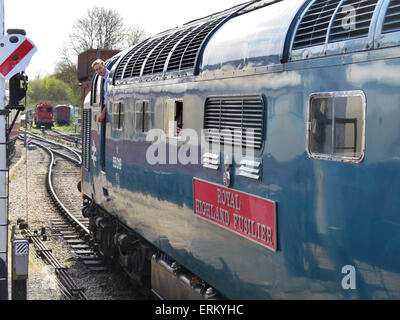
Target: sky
{"x": 48, "y": 23}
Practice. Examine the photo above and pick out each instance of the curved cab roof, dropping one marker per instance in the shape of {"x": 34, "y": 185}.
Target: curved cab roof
{"x": 179, "y": 51}
{"x": 251, "y": 40}
{"x": 262, "y": 34}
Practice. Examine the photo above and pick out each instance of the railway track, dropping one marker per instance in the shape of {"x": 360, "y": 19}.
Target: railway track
{"x": 70, "y": 139}
{"x": 96, "y": 278}
{"x": 69, "y": 224}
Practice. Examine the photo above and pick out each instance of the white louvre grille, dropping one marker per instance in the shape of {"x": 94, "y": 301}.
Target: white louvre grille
{"x": 238, "y": 121}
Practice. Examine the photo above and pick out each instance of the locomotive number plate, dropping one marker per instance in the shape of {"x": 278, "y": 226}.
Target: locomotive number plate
{"x": 247, "y": 215}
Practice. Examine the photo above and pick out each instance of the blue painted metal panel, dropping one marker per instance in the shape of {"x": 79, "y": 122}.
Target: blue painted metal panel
{"x": 330, "y": 214}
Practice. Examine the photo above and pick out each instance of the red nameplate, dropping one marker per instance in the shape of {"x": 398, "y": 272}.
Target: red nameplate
{"x": 250, "y": 216}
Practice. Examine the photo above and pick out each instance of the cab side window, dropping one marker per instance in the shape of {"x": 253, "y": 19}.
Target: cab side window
{"x": 336, "y": 126}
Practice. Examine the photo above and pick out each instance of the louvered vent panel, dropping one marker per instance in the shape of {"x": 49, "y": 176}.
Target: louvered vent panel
{"x": 346, "y": 25}
{"x": 148, "y": 68}
{"x": 124, "y": 61}
{"x": 120, "y": 68}
{"x": 163, "y": 54}
{"x": 175, "y": 60}
{"x": 134, "y": 64}
{"x": 184, "y": 55}
{"x": 227, "y": 120}
{"x": 151, "y": 56}
{"x": 156, "y": 61}
{"x": 313, "y": 27}
{"x": 86, "y": 132}
{"x": 137, "y": 67}
{"x": 392, "y": 19}
{"x": 189, "y": 57}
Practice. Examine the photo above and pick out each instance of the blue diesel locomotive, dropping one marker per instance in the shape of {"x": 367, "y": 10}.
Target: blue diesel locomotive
{"x": 253, "y": 154}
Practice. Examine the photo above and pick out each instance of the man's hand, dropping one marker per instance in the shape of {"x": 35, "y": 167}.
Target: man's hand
{"x": 103, "y": 115}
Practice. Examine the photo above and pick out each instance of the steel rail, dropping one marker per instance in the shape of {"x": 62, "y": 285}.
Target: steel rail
{"x": 49, "y": 184}
{"x": 77, "y": 162}
{"x": 69, "y": 137}
{"x": 75, "y": 152}
{"x": 62, "y": 273}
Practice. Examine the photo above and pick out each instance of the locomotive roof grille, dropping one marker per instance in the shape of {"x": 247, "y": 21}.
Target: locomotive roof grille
{"x": 141, "y": 57}
{"x": 174, "y": 50}
{"x": 189, "y": 55}
{"x": 333, "y": 19}
{"x": 314, "y": 25}
{"x": 153, "y": 53}
{"x": 360, "y": 28}
{"x": 392, "y": 19}
{"x": 123, "y": 64}
{"x": 163, "y": 54}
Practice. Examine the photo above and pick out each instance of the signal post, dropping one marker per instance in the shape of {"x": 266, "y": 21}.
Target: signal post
{"x": 16, "y": 52}
{"x": 3, "y": 182}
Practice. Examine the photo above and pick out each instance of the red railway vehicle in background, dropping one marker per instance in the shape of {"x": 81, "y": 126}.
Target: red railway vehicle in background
{"x": 44, "y": 116}
{"x": 62, "y": 114}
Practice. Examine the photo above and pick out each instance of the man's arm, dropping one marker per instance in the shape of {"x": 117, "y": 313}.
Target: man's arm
{"x": 103, "y": 114}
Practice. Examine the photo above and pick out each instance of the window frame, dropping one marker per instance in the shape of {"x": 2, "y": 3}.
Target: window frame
{"x": 118, "y": 113}
{"x": 96, "y": 90}
{"x": 143, "y": 124}
{"x": 333, "y": 95}
{"x": 170, "y": 114}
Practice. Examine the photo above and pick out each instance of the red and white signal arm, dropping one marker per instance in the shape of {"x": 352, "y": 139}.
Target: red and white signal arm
{"x": 16, "y": 52}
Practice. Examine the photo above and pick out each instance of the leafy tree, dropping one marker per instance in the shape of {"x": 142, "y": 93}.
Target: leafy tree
{"x": 52, "y": 91}
{"x": 100, "y": 28}
{"x": 133, "y": 35}
{"x": 103, "y": 28}
{"x": 66, "y": 70}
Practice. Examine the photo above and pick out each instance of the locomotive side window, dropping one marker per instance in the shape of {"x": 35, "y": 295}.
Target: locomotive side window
{"x": 142, "y": 117}
{"x": 173, "y": 118}
{"x": 118, "y": 116}
{"x": 336, "y": 126}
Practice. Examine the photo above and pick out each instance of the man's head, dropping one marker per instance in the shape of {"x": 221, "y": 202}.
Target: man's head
{"x": 99, "y": 66}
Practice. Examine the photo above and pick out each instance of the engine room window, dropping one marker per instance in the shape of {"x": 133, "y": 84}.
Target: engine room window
{"x": 118, "y": 116}
{"x": 142, "y": 116}
{"x": 336, "y": 129}
{"x": 174, "y": 118}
